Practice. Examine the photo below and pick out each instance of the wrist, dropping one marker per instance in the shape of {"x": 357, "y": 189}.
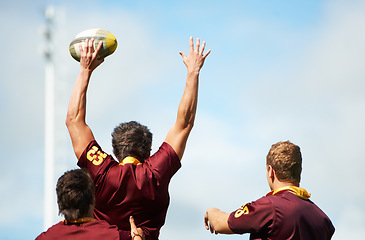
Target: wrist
{"x": 193, "y": 72}
{"x": 85, "y": 71}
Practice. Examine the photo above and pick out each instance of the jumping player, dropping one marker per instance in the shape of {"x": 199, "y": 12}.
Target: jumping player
{"x": 137, "y": 184}
{"x": 284, "y": 213}
{"x": 76, "y": 201}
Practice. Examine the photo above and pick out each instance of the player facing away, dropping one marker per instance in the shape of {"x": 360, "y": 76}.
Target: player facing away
{"x": 76, "y": 202}
{"x": 284, "y": 213}
{"x": 137, "y": 183}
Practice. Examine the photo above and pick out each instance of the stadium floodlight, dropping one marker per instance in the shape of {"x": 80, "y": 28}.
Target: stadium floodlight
{"x": 49, "y": 198}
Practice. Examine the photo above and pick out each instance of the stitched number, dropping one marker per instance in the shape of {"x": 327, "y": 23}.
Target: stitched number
{"x": 95, "y": 156}
{"x": 241, "y": 210}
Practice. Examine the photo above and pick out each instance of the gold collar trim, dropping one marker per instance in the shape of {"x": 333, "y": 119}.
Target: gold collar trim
{"x": 132, "y": 160}
{"x": 80, "y": 220}
{"x": 300, "y": 192}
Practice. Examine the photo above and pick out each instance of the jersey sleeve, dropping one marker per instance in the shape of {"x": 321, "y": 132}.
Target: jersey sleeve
{"x": 254, "y": 217}
{"x": 95, "y": 160}
{"x": 164, "y": 163}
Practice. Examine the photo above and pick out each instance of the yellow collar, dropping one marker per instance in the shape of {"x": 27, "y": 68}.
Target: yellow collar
{"x": 132, "y": 160}
{"x": 80, "y": 221}
{"x": 300, "y": 192}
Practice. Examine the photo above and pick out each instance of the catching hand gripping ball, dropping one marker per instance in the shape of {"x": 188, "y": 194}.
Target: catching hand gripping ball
{"x": 108, "y": 39}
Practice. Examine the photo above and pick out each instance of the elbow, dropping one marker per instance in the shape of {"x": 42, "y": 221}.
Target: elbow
{"x": 189, "y": 119}
{"x": 189, "y": 124}
{"x": 69, "y": 120}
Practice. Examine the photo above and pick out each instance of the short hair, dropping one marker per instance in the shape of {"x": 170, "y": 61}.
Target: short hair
{"x": 131, "y": 139}
{"x": 75, "y": 193}
{"x": 286, "y": 160}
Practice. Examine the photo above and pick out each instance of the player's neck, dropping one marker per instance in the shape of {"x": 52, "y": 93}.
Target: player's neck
{"x": 278, "y": 184}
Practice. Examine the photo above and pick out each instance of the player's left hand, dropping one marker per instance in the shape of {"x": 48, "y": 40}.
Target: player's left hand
{"x": 194, "y": 62}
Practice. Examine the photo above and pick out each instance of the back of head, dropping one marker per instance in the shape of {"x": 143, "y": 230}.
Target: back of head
{"x": 286, "y": 160}
{"x": 75, "y": 194}
{"x": 131, "y": 139}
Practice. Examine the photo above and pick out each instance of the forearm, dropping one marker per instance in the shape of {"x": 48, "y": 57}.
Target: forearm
{"x": 79, "y": 131}
{"x": 179, "y": 132}
{"x": 188, "y": 104}
{"x": 76, "y": 111}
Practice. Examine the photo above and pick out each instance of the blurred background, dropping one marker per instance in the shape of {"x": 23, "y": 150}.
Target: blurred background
{"x": 278, "y": 70}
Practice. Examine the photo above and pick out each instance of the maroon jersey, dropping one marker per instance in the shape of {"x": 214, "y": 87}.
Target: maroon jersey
{"x": 131, "y": 188}
{"x": 98, "y": 229}
{"x": 282, "y": 215}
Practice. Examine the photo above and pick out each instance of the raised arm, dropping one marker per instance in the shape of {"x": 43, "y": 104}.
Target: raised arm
{"x": 217, "y": 221}
{"x": 80, "y": 133}
{"x": 179, "y": 132}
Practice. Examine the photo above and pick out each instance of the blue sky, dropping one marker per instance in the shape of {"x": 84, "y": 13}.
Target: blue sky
{"x": 278, "y": 70}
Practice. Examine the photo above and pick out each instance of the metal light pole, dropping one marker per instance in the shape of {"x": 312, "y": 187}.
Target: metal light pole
{"x": 49, "y": 130}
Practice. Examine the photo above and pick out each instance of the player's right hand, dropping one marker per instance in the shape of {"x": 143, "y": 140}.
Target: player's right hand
{"x": 88, "y": 59}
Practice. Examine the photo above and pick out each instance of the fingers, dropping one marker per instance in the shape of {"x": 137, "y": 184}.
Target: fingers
{"x": 131, "y": 221}
{"x": 191, "y": 44}
{"x": 88, "y": 46}
{"x": 206, "y": 221}
{"x": 84, "y": 47}
{"x": 206, "y": 54}
{"x": 202, "y": 49}
{"x": 199, "y": 49}
{"x": 182, "y": 54}
{"x": 197, "y": 45}
{"x": 99, "y": 47}
{"x": 207, "y": 225}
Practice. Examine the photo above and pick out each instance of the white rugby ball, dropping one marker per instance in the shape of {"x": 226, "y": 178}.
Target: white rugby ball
{"x": 109, "y": 42}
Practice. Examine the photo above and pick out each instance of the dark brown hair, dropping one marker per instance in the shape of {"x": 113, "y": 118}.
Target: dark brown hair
{"x": 75, "y": 192}
{"x": 286, "y": 160}
{"x": 131, "y": 139}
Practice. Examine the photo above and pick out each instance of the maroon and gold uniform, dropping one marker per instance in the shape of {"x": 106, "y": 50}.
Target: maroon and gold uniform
{"x": 285, "y": 213}
{"x": 98, "y": 229}
{"x": 131, "y": 188}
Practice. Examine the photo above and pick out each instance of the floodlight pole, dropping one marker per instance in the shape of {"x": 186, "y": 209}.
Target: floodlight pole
{"x": 49, "y": 186}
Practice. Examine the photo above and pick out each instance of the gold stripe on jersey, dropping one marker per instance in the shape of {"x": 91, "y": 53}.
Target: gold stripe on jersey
{"x": 80, "y": 221}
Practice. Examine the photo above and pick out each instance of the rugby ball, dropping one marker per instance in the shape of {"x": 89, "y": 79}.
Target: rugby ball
{"x": 108, "y": 39}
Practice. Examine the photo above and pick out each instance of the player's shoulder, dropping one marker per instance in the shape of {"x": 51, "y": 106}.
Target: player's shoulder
{"x": 95, "y": 155}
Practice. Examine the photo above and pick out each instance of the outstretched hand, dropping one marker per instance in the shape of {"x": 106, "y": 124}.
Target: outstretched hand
{"x": 216, "y": 221}
{"x": 89, "y": 60}
{"x": 194, "y": 62}
{"x": 207, "y": 224}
